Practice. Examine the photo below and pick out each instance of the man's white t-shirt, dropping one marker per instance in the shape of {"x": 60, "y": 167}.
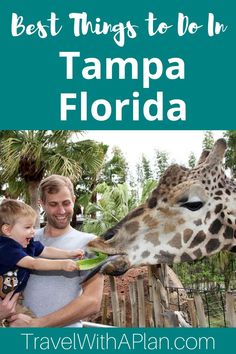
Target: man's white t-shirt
{"x": 48, "y": 291}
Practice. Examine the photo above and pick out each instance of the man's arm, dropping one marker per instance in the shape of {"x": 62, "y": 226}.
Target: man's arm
{"x": 82, "y": 306}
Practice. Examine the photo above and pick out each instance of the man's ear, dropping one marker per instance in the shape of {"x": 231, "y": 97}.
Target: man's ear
{"x": 6, "y": 229}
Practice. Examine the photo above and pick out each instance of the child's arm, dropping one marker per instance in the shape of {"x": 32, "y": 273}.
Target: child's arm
{"x": 46, "y": 264}
{"x": 52, "y": 252}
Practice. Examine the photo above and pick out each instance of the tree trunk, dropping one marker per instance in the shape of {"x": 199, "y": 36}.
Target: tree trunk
{"x": 34, "y": 199}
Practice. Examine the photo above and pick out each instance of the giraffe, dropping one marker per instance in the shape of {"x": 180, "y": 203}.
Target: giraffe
{"x": 191, "y": 214}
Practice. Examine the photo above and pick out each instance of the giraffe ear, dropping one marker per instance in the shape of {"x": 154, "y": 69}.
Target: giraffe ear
{"x": 217, "y": 154}
{"x": 203, "y": 156}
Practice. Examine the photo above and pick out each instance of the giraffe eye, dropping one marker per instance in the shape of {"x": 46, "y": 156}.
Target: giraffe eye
{"x": 193, "y": 206}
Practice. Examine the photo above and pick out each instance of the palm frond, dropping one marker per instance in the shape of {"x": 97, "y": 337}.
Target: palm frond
{"x": 65, "y": 166}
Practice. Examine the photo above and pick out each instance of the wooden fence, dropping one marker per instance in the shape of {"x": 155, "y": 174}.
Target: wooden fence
{"x": 152, "y": 302}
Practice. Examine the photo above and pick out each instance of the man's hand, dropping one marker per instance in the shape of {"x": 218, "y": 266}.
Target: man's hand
{"x": 20, "y": 320}
{"x": 8, "y": 305}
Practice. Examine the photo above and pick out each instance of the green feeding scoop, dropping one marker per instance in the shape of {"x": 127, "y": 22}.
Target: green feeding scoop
{"x": 90, "y": 263}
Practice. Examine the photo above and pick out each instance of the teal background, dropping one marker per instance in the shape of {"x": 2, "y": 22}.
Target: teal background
{"x": 32, "y": 75}
{"x": 13, "y": 342}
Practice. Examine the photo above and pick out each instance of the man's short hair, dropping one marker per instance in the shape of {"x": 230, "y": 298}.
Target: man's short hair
{"x": 11, "y": 210}
{"x": 53, "y": 185}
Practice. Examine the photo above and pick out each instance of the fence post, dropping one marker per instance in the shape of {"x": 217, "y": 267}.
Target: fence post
{"x": 123, "y": 311}
{"x": 133, "y": 304}
{"x": 200, "y": 311}
{"x": 192, "y": 312}
{"x": 115, "y": 302}
{"x": 150, "y": 292}
{"x": 158, "y": 309}
{"x": 230, "y": 312}
{"x": 149, "y": 312}
{"x": 104, "y": 309}
{"x": 141, "y": 302}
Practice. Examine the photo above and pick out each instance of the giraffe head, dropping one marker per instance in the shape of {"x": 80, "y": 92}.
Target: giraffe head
{"x": 191, "y": 214}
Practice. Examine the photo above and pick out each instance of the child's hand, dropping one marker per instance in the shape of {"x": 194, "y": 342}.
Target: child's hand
{"x": 69, "y": 265}
{"x": 76, "y": 254}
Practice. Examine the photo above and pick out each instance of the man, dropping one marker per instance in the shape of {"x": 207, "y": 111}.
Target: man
{"x": 57, "y": 299}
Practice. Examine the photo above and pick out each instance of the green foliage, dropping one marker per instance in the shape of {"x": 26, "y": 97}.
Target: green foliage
{"x": 115, "y": 169}
{"x": 113, "y": 203}
{"x": 191, "y": 160}
{"x": 161, "y": 163}
{"x": 218, "y": 269}
{"x": 147, "y": 188}
{"x": 144, "y": 171}
{"x": 28, "y": 156}
{"x": 230, "y": 157}
{"x": 208, "y": 140}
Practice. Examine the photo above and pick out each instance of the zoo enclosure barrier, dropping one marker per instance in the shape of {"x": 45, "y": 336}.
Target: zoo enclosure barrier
{"x": 152, "y": 301}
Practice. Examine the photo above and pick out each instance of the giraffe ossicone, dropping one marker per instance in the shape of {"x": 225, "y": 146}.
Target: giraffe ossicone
{"x": 191, "y": 214}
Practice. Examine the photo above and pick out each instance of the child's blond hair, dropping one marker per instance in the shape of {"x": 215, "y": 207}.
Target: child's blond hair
{"x": 11, "y": 210}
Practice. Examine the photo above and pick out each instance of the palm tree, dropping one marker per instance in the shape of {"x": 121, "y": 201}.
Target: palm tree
{"x": 113, "y": 204}
{"x": 28, "y": 156}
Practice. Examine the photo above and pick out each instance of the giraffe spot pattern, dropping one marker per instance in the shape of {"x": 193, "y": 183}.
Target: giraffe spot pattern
{"x": 228, "y": 233}
{"x": 149, "y": 221}
{"x": 136, "y": 247}
{"x": 208, "y": 216}
{"x": 198, "y": 222}
{"x": 166, "y": 257}
{"x": 152, "y": 203}
{"x": 176, "y": 241}
{"x": 218, "y": 208}
{"x": 197, "y": 253}
{"x": 153, "y": 238}
{"x": 215, "y": 227}
{"x": 132, "y": 227}
{"x": 132, "y": 238}
{"x": 199, "y": 238}
{"x": 181, "y": 221}
{"x": 172, "y": 184}
{"x": 186, "y": 258}
{"x": 187, "y": 235}
{"x": 212, "y": 245}
{"x": 145, "y": 254}
{"x": 226, "y": 248}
